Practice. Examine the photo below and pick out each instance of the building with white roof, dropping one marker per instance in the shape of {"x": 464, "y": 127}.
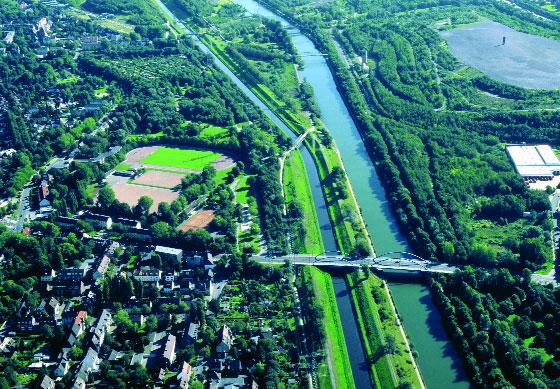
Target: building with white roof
{"x": 534, "y": 161}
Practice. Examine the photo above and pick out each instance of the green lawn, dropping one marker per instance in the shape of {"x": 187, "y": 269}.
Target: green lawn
{"x": 242, "y": 191}
{"x": 139, "y": 137}
{"x": 181, "y": 158}
{"x": 90, "y": 190}
{"x": 214, "y": 132}
{"x": 121, "y": 167}
{"x": 222, "y": 174}
{"x": 335, "y": 343}
{"x": 72, "y": 79}
{"x": 298, "y": 190}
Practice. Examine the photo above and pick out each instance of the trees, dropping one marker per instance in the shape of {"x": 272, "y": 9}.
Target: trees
{"x": 143, "y": 206}
{"x": 105, "y": 197}
{"x": 498, "y": 342}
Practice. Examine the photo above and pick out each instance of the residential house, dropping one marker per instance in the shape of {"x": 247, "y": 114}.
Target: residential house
{"x": 9, "y": 38}
{"x": 98, "y": 221}
{"x": 27, "y": 323}
{"x": 192, "y": 333}
{"x": 225, "y": 340}
{"x": 208, "y": 262}
{"x": 169, "y": 254}
{"x": 169, "y": 283}
{"x": 48, "y": 275}
{"x": 89, "y": 364}
{"x": 91, "y": 42}
{"x": 192, "y": 260}
{"x": 51, "y": 307}
{"x": 5, "y": 344}
{"x": 62, "y": 368}
{"x": 169, "y": 355}
{"x": 184, "y": 376}
{"x": 148, "y": 275}
{"x": 115, "y": 358}
{"x": 142, "y": 234}
{"x": 43, "y": 194}
{"x": 47, "y": 383}
{"x": 101, "y": 328}
{"x": 122, "y": 224}
{"x": 78, "y": 327}
{"x": 101, "y": 267}
{"x": 69, "y": 282}
{"x": 137, "y": 318}
{"x": 229, "y": 383}
{"x": 67, "y": 222}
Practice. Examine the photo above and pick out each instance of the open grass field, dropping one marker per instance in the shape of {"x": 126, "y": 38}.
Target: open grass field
{"x": 130, "y": 193}
{"x": 242, "y": 192}
{"x": 213, "y": 132}
{"x": 121, "y": 167}
{"x": 199, "y": 220}
{"x": 297, "y": 190}
{"x": 177, "y": 159}
{"x": 181, "y": 158}
{"x": 159, "y": 179}
{"x": 377, "y": 322}
{"x": 519, "y": 62}
{"x": 335, "y": 344}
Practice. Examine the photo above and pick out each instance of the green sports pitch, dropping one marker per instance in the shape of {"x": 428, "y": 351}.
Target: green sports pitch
{"x": 181, "y": 158}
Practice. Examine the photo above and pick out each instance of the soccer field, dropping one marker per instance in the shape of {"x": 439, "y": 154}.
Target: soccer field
{"x": 181, "y": 158}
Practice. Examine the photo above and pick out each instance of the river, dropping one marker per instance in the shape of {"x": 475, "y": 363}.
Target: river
{"x": 438, "y": 361}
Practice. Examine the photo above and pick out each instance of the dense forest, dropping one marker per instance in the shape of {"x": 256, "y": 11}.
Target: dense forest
{"x": 505, "y": 328}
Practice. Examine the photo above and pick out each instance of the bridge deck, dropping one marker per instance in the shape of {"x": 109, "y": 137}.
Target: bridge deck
{"x": 380, "y": 263}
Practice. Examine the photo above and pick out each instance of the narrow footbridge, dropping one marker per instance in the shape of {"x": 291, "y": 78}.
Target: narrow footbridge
{"x": 404, "y": 261}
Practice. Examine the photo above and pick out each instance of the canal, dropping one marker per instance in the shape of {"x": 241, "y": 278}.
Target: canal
{"x": 438, "y": 361}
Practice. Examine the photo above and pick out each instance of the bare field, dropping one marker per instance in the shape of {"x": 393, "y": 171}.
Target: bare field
{"x": 160, "y": 179}
{"x": 524, "y": 60}
{"x": 199, "y": 220}
{"x": 130, "y": 193}
{"x": 137, "y": 155}
{"x": 223, "y": 163}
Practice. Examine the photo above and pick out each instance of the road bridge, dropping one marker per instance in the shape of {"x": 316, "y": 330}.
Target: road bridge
{"x": 415, "y": 264}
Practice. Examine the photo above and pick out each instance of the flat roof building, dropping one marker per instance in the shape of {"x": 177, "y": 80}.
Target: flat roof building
{"x": 537, "y": 161}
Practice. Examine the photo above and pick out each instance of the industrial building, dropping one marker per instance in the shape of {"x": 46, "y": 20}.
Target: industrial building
{"x": 534, "y": 161}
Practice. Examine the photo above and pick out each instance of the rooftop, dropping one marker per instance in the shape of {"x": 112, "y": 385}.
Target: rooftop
{"x": 534, "y": 160}
{"x": 168, "y": 250}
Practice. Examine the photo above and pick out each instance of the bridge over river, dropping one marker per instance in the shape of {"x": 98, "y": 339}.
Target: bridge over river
{"x": 378, "y": 263}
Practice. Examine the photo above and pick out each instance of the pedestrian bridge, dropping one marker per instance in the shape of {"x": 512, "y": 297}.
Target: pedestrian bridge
{"x": 404, "y": 261}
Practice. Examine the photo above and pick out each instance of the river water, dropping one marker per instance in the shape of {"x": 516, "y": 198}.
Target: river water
{"x": 438, "y": 361}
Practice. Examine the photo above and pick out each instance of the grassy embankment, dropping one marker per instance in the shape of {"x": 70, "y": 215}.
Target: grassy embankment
{"x": 343, "y": 212}
{"x": 335, "y": 344}
{"x": 298, "y": 190}
{"x": 378, "y": 324}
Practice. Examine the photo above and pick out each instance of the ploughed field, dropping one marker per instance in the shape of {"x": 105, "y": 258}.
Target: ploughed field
{"x": 525, "y": 60}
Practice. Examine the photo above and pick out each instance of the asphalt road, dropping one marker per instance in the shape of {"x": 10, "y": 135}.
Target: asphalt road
{"x": 23, "y": 209}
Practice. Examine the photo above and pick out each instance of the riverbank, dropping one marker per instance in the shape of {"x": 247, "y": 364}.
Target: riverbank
{"x": 388, "y": 350}
{"x": 299, "y": 199}
{"x": 335, "y": 345}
